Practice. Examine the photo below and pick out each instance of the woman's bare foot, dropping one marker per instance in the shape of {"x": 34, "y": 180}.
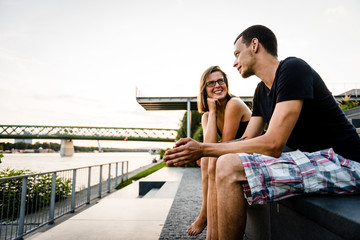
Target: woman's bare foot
{"x": 196, "y": 227}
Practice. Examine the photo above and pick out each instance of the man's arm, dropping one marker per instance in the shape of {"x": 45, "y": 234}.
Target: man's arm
{"x": 271, "y": 143}
{"x": 254, "y": 128}
{"x": 193, "y": 149}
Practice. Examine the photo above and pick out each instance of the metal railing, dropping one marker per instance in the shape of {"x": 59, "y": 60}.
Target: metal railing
{"x": 29, "y": 202}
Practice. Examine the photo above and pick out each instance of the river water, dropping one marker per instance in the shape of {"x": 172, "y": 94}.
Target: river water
{"x": 45, "y": 162}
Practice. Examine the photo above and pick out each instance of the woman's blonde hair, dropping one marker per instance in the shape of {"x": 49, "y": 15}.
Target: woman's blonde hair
{"x": 202, "y": 97}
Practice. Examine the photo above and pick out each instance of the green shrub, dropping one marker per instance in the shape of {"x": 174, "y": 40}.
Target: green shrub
{"x": 38, "y": 192}
{"x": 347, "y": 104}
{"x": 199, "y": 135}
{"x": 162, "y": 152}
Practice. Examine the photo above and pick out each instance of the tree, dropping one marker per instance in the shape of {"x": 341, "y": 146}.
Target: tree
{"x": 199, "y": 135}
{"x": 55, "y": 146}
{"x": 347, "y": 104}
{"x": 196, "y": 130}
{"x": 45, "y": 145}
{"x": 20, "y": 145}
{"x": 195, "y": 123}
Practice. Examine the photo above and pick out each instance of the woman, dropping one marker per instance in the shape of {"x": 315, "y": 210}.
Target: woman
{"x": 226, "y": 116}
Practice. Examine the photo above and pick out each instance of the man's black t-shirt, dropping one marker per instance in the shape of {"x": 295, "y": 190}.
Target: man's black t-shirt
{"x": 321, "y": 124}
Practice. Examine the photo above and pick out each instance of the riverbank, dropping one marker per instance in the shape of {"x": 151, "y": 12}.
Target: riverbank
{"x": 45, "y": 162}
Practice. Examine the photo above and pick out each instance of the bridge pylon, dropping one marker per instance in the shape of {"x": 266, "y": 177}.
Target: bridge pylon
{"x": 67, "y": 148}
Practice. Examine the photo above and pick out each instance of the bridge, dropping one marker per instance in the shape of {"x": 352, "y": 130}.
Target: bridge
{"x": 69, "y": 133}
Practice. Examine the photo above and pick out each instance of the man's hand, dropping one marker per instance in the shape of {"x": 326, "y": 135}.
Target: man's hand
{"x": 186, "y": 150}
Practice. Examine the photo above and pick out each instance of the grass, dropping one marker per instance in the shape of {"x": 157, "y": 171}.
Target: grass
{"x": 141, "y": 175}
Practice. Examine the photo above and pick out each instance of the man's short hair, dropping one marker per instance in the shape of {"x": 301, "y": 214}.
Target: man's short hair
{"x": 265, "y": 36}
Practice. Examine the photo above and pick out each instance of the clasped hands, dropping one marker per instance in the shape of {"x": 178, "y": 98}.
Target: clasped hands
{"x": 186, "y": 150}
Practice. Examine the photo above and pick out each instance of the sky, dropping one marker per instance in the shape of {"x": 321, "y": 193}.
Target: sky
{"x": 79, "y": 62}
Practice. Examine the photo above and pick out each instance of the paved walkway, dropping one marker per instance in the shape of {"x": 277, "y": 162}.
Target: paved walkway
{"x": 185, "y": 208}
{"x": 163, "y": 213}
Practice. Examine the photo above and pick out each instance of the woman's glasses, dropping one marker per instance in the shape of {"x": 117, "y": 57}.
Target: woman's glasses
{"x": 213, "y": 83}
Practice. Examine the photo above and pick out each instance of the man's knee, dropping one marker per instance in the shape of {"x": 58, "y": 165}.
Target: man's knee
{"x": 229, "y": 168}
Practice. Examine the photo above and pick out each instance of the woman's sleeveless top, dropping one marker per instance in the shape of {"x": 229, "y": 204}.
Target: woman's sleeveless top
{"x": 240, "y": 131}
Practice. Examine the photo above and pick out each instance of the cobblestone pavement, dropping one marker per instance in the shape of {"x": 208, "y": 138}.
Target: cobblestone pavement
{"x": 185, "y": 208}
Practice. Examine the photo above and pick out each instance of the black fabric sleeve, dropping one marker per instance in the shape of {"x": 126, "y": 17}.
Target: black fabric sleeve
{"x": 295, "y": 81}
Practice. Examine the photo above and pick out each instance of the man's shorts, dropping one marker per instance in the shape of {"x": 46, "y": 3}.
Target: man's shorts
{"x": 293, "y": 173}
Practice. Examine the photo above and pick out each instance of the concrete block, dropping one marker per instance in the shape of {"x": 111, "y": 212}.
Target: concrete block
{"x": 145, "y": 187}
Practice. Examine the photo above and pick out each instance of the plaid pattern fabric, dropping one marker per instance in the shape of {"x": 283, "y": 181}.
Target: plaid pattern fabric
{"x": 325, "y": 172}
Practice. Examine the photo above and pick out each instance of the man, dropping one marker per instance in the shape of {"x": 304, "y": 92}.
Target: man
{"x": 302, "y": 114}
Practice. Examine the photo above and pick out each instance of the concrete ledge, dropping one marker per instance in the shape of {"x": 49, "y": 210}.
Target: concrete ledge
{"x": 338, "y": 214}
{"x": 306, "y": 217}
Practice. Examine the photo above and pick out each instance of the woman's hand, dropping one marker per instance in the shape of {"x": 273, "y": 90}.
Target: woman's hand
{"x": 212, "y": 102}
{"x": 186, "y": 150}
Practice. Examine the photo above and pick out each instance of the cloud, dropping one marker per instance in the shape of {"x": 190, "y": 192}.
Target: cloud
{"x": 339, "y": 10}
{"x": 72, "y": 63}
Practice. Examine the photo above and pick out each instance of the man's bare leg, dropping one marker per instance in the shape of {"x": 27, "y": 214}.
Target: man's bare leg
{"x": 200, "y": 223}
{"x": 231, "y": 202}
{"x": 212, "y": 229}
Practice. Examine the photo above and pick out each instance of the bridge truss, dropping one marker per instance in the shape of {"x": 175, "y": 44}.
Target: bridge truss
{"x": 87, "y": 133}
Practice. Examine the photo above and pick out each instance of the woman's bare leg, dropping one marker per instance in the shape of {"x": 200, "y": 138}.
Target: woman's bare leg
{"x": 212, "y": 229}
{"x": 200, "y": 223}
